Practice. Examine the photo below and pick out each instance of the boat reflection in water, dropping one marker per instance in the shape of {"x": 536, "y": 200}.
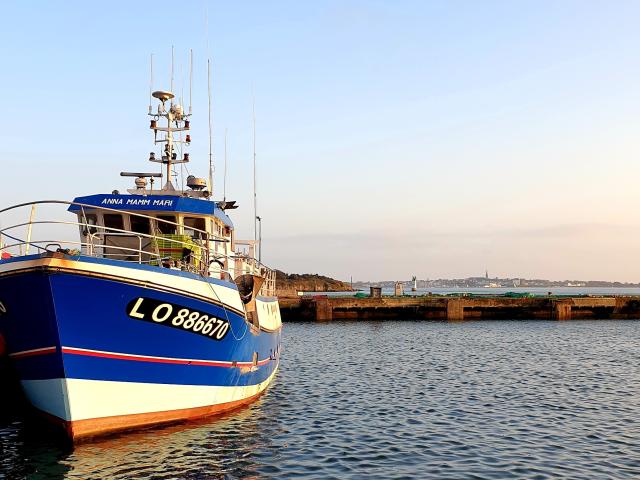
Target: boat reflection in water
{"x": 212, "y": 447}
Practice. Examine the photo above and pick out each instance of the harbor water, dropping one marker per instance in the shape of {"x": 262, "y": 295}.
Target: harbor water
{"x": 485, "y": 400}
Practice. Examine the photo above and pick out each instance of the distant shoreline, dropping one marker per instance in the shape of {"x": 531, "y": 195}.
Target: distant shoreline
{"x": 534, "y": 291}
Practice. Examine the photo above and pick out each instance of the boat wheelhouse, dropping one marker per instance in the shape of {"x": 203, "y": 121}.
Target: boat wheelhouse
{"x": 172, "y": 231}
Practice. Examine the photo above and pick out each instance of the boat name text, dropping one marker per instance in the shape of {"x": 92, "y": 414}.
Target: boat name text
{"x": 138, "y": 202}
{"x": 176, "y": 316}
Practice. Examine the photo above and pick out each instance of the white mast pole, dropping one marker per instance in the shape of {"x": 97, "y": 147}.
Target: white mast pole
{"x": 210, "y": 128}
{"x": 255, "y": 197}
{"x": 190, "y": 79}
{"x": 172, "y": 60}
{"x": 151, "y": 85}
{"x": 224, "y": 194}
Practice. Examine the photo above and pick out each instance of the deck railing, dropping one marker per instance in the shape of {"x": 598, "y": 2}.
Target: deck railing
{"x": 195, "y": 253}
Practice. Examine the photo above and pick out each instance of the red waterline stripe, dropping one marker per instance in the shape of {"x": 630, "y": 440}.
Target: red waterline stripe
{"x": 34, "y": 352}
{"x": 145, "y": 358}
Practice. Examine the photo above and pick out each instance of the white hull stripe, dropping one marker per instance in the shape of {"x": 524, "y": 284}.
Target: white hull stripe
{"x": 33, "y": 352}
{"x": 153, "y": 359}
{"x": 75, "y": 399}
{"x": 224, "y": 296}
{"x": 147, "y": 284}
{"x": 195, "y": 287}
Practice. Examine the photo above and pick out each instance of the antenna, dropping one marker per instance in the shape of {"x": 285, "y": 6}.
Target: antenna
{"x": 190, "y": 79}
{"x": 181, "y": 143}
{"x": 255, "y": 197}
{"x": 172, "y": 60}
{"x": 224, "y": 194}
{"x": 151, "y": 85}
{"x": 210, "y": 129}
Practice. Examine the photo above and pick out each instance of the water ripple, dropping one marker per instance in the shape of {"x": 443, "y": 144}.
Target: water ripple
{"x": 485, "y": 400}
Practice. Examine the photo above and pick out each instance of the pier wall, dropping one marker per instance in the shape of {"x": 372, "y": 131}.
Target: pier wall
{"x": 448, "y": 308}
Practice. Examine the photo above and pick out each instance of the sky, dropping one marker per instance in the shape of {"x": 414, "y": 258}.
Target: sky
{"x": 393, "y": 138}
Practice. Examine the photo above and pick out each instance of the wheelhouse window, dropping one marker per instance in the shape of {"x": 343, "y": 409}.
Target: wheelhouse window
{"x": 192, "y": 224}
{"x": 140, "y": 225}
{"x": 91, "y": 220}
{"x": 167, "y": 228}
{"x": 113, "y": 220}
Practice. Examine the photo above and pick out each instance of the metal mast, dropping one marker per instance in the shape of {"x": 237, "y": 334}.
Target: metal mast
{"x": 255, "y": 196}
{"x": 224, "y": 191}
{"x": 210, "y": 128}
{"x": 177, "y": 121}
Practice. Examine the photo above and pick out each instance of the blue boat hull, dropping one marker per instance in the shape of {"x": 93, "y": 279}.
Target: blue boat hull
{"x": 102, "y": 346}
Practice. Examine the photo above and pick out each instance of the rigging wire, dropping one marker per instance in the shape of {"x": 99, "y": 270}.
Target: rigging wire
{"x": 246, "y": 322}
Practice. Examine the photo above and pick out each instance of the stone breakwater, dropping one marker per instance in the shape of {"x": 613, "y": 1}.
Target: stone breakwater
{"x": 455, "y": 308}
{"x": 288, "y": 285}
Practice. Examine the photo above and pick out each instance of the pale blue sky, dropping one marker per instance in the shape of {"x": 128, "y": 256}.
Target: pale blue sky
{"x": 395, "y": 138}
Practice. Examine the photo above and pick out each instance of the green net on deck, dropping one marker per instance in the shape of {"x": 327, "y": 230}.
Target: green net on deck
{"x": 178, "y": 247}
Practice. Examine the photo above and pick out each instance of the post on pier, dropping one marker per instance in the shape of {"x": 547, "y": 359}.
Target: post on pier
{"x": 455, "y": 309}
{"x": 324, "y": 310}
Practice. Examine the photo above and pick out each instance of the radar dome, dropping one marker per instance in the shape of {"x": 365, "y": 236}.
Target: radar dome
{"x": 196, "y": 183}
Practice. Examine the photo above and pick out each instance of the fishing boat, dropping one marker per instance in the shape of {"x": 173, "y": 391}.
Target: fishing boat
{"x": 126, "y": 310}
